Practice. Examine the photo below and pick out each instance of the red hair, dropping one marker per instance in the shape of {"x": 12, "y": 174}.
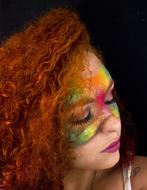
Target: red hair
{"x": 35, "y": 68}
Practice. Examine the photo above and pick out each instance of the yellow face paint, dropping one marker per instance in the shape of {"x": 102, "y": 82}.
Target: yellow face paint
{"x": 114, "y": 109}
{"x": 81, "y": 138}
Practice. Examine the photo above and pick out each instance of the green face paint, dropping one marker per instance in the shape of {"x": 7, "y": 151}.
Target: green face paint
{"x": 79, "y": 138}
{"x": 114, "y": 110}
{"x": 84, "y": 136}
{"x": 74, "y": 96}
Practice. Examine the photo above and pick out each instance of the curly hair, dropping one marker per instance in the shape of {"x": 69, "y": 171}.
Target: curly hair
{"x": 36, "y": 66}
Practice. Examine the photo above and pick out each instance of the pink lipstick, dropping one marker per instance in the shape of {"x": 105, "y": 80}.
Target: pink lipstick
{"x": 112, "y": 147}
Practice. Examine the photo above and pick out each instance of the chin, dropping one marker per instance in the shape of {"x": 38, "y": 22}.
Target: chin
{"x": 110, "y": 160}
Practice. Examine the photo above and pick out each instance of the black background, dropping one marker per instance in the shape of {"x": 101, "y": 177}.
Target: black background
{"x": 118, "y": 27}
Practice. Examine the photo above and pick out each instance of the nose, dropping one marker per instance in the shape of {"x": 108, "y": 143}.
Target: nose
{"x": 110, "y": 125}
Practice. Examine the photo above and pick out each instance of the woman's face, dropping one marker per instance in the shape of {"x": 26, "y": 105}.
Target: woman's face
{"x": 93, "y": 122}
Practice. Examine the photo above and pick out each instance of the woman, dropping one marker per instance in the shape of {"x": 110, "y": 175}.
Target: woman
{"x": 60, "y": 126}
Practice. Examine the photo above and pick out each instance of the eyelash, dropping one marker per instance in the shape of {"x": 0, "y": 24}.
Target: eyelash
{"x": 85, "y": 120}
{"x": 108, "y": 102}
{"x": 112, "y": 100}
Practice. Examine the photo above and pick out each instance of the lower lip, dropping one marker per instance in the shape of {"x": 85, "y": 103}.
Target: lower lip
{"x": 113, "y": 147}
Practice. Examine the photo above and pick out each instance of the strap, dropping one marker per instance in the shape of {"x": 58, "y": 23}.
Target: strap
{"x": 126, "y": 177}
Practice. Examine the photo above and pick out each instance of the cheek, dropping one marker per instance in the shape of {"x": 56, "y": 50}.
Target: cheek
{"x": 85, "y": 135}
{"x": 86, "y": 157}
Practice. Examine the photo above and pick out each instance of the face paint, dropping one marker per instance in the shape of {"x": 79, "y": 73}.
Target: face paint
{"x": 103, "y": 80}
{"x": 100, "y": 82}
{"x": 114, "y": 109}
{"x": 107, "y": 109}
{"x": 74, "y": 96}
{"x": 84, "y": 136}
{"x": 87, "y": 134}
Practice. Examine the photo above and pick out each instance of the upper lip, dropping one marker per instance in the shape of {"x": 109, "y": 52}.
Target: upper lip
{"x": 111, "y": 144}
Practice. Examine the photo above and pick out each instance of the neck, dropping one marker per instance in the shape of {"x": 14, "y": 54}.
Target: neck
{"x": 82, "y": 179}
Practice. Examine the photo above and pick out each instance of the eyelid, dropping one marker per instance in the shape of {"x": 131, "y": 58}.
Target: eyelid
{"x": 94, "y": 113}
{"x": 81, "y": 120}
{"x": 80, "y": 117}
{"x": 85, "y": 108}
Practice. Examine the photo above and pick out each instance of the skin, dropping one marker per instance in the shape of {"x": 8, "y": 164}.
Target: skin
{"x": 113, "y": 178}
{"x": 92, "y": 168}
{"x": 103, "y": 83}
{"x": 88, "y": 154}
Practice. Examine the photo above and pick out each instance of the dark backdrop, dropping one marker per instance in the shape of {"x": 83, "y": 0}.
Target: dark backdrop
{"x": 118, "y": 27}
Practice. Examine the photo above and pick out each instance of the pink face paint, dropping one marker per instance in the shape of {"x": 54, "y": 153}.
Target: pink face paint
{"x": 101, "y": 82}
{"x": 100, "y": 98}
{"x": 107, "y": 109}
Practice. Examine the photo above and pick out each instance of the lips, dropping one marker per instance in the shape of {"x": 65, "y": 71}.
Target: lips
{"x": 113, "y": 147}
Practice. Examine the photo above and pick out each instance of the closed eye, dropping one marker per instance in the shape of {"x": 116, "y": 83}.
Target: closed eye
{"x": 110, "y": 101}
{"x": 84, "y": 120}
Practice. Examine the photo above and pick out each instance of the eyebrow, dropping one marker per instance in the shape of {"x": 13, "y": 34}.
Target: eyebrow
{"x": 81, "y": 102}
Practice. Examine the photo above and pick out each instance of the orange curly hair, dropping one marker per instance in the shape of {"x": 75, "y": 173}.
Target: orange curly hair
{"x": 35, "y": 68}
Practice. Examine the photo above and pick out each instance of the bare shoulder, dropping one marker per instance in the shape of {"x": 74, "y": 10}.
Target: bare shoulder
{"x": 139, "y": 172}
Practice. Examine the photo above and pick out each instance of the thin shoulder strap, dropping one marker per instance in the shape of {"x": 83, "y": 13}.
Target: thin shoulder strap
{"x": 126, "y": 177}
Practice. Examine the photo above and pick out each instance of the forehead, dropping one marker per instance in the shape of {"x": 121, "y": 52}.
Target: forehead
{"x": 93, "y": 65}
{"x": 96, "y": 80}
{"x": 95, "y": 74}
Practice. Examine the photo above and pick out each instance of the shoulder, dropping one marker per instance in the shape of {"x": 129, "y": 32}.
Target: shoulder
{"x": 139, "y": 173}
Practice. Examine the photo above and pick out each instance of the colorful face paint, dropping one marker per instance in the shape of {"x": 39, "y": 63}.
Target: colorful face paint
{"x": 107, "y": 109}
{"x": 75, "y": 96}
{"x": 101, "y": 80}
{"x": 100, "y": 83}
{"x": 86, "y": 134}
